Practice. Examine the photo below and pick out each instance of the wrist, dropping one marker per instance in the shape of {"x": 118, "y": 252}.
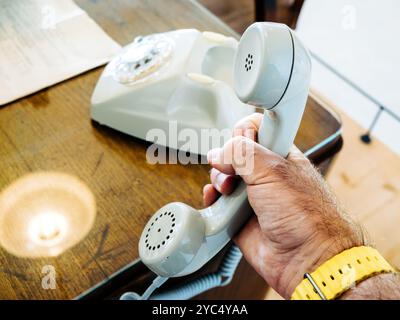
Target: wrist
{"x": 383, "y": 286}
{"x": 311, "y": 256}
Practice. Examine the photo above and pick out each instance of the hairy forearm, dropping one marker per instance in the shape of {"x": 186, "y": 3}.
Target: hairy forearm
{"x": 380, "y": 287}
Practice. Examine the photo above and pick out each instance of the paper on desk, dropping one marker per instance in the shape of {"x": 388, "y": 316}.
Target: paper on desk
{"x": 43, "y": 42}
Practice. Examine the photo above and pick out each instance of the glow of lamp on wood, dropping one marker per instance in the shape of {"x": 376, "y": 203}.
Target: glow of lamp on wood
{"x": 43, "y": 214}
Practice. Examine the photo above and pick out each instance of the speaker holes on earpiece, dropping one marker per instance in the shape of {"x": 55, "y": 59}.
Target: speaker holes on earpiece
{"x": 249, "y": 62}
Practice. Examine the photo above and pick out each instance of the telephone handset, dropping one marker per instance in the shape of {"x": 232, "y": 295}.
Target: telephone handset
{"x": 272, "y": 70}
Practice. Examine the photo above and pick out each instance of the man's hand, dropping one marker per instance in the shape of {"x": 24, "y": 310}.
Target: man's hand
{"x": 297, "y": 224}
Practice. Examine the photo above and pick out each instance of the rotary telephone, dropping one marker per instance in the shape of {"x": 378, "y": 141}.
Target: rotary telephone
{"x": 271, "y": 70}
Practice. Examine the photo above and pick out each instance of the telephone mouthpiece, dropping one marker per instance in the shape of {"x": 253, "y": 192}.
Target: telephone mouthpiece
{"x": 171, "y": 239}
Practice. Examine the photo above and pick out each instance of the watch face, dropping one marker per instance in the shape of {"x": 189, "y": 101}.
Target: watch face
{"x": 142, "y": 58}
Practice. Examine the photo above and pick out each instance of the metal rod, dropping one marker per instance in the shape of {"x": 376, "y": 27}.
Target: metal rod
{"x": 356, "y": 87}
{"x": 366, "y": 137}
{"x": 319, "y": 292}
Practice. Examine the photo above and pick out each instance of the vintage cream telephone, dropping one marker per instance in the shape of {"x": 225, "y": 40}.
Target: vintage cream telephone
{"x": 183, "y": 76}
{"x": 271, "y": 69}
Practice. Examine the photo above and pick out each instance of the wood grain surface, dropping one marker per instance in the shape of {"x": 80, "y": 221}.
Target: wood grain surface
{"x": 52, "y": 130}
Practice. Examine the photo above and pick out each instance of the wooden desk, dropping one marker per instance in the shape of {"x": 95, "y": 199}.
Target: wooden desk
{"x": 52, "y": 130}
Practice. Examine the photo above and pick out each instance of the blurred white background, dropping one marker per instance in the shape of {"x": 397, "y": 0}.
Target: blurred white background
{"x": 360, "y": 39}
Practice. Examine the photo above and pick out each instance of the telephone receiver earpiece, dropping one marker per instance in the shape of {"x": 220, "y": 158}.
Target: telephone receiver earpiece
{"x": 272, "y": 70}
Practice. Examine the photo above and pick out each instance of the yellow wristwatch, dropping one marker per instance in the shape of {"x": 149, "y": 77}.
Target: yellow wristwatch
{"x": 339, "y": 273}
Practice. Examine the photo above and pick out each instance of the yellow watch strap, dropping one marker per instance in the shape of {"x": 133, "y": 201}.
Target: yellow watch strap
{"x": 339, "y": 273}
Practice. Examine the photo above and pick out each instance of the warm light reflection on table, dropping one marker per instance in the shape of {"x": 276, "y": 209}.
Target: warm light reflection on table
{"x": 45, "y": 213}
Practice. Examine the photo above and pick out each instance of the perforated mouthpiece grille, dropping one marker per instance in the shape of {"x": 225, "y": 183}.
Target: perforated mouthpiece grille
{"x": 171, "y": 239}
{"x": 160, "y": 231}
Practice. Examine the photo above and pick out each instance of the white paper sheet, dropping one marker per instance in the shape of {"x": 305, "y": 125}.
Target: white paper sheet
{"x": 43, "y": 42}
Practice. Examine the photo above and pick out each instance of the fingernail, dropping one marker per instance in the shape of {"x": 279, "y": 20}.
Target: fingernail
{"x": 220, "y": 180}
